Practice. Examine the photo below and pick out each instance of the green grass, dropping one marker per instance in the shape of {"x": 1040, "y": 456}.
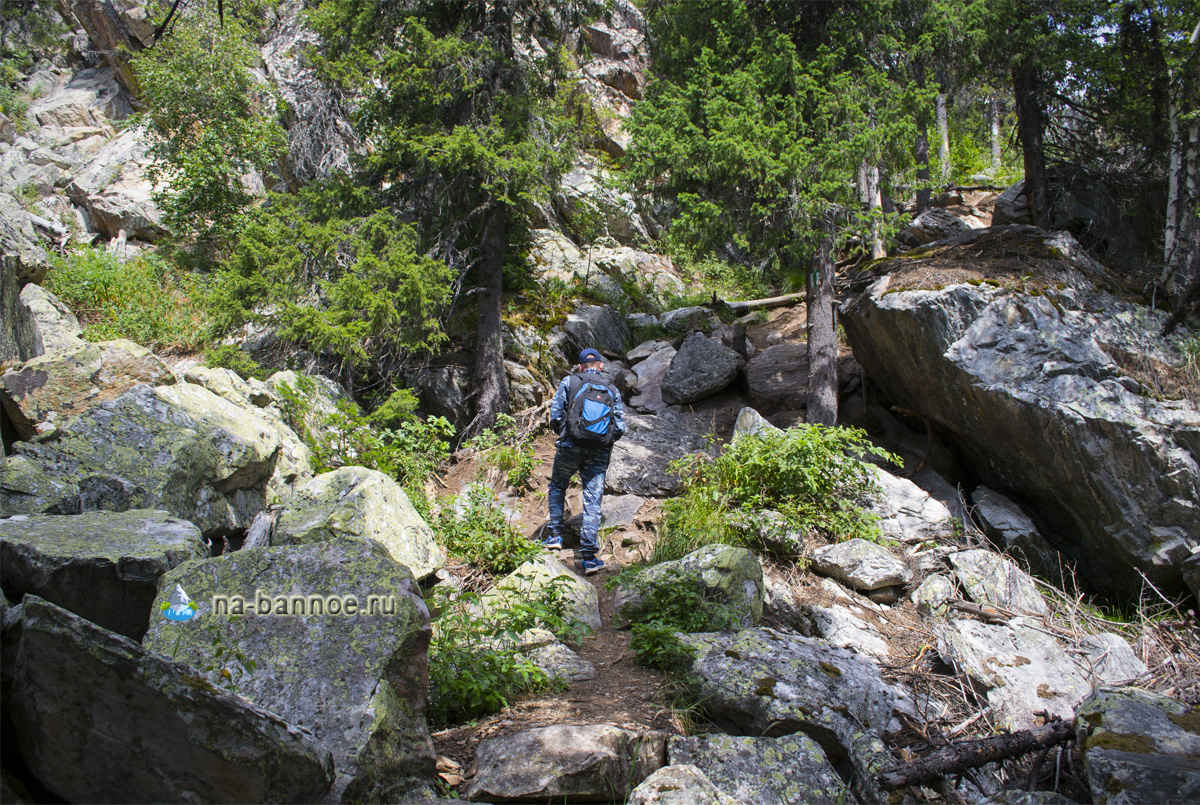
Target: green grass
{"x": 146, "y": 299}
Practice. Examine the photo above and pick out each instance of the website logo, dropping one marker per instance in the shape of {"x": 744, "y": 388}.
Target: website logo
{"x": 178, "y": 607}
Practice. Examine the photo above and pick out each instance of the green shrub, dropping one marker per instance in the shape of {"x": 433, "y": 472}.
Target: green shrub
{"x": 145, "y": 299}
{"x": 506, "y": 451}
{"x": 473, "y": 667}
{"x": 669, "y": 606}
{"x": 227, "y": 356}
{"x": 481, "y": 534}
{"x": 812, "y": 474}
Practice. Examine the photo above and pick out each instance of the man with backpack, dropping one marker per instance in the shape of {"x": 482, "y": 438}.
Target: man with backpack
{"x": 588, "y": 416}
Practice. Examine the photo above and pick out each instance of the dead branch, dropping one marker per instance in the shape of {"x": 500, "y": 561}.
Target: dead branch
{"x": 963, "y": 755}
{"x": 764, "y": 304}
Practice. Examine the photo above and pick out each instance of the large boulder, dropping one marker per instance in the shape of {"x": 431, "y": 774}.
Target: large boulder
{"x": 788, "y": 770}
{"x": 1019, "y": 668}
{"x": 536, "y": 577}
{"x": 360, "y": 503}
{"x": 597, "y": 326}
{"x": 650, "y": 373}
{"x": 115, "y": 192}
{"x": 1011, "y": 530}
{"x": 97, "y": 718}
{"x": 640, "y": 460}
{"x": 767, "y": 683}
{"x": 990, "y": 578}
{"x": 861, "y": 565}
{"x": 777, "y": 377}
{"x": 613, "y": 272}
{"x": 47, "y": 391}
{"x": 586, "y": 763}
{"x": 681, "y": 784}
{"x": 1139, "y": 747}
{"x": 723, "y": 574}
{"x": 907, "y": 513}
{"x": 702, "y": 367}
{"x": 355, "y": 676}
{"x": 103, "y": 566}
{"x": 935, "y": 223}
{"x": 685, "y": 320}
{"x": 44, "y": 324}
{"x": 1038, "y": 379}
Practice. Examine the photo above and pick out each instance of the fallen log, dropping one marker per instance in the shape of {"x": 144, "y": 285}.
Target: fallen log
{"x": 963, "y": 755}
{"x": 764, "y": 304}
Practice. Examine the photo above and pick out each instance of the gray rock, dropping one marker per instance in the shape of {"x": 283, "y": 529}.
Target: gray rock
{"x": 360, "y": 503}
{"x": 115, "y": 192}
{"x": 750, "y": 422}
{"x": 702, "y": 367}
{"x": 595, "y": 762}
{"x": 548, "y": 653}
{"x": 589, "y": 197}
{"x": 355, "y": 680}
{"x": 907, "y": 513}
{"x": 935, "y": 223}
{"x": 445, "y": 391}
{"x": 990, "y": 578}
{"x": 142, "y": 728}
{"x": 770, "y": 532}
{"x": 1110, "y": 660}
{"x": 44, "y": 324}
{"x": 1022, "y": 669}
{"x": 769, "y": 683}
{"x": 582, "y": 603}
{"x": 22, "y": 258}
{"x": 1191, "y": 573}
{"x": 45, "y": 392}
{"x": 842, "y": 627}
{"x": 860, "y": 565}
{"x": 646, "y": 348}
{"x": 789, "y": 770}
{"x": 180, "y": 448}
{"x": 681, "y": 784}
{"x": 1021, "y": 797}
{"x": 1012, "y": 530}
{"x": 780, "y": 607}
{"x": 724, "y": 574}
{"x": 1012, "y": 207}
{"x": 932, "y": 596}
{"x": 597, "y": 326}
{"x": 685, "y": 320}
{"x": 1139, "y": 747}
{"x": 10, "y": 294}
{"x": 1030, "y": 386}
{"x": 640, "y": 459}
{"x": 650, "y": 373}
{"x": 777, "y": 377}
{"x": 103, "y": 566}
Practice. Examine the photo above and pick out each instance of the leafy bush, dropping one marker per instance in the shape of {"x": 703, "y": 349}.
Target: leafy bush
{"x": 481, "y": 535}
{"x": 409, "y": 451}
{"x": 669, "y": 606}
{"x": 506, "y": 451}
{"x": 474, "y": 666}
{"x": 812, "y": 474}
{"x": 145, "y": 300}
{"x": 227, "y": 356}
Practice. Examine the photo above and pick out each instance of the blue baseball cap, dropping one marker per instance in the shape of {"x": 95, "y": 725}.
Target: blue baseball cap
{"x": 588, "y": 355}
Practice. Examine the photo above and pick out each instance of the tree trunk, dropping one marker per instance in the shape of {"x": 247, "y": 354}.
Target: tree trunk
{"x": 943, "y": 127}
{"x": 822, "y": 339}
{"x": 1174, "y": 185}
{"x": 491, "y": 383}
{"x": 994, "y": 127}
{"x": 921, "y": 148}
{"x": 1029, "y": 125}
{"x": 875, "y": 204}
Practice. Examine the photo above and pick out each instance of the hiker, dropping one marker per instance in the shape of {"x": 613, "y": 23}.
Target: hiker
{"x": 588, "y": 416}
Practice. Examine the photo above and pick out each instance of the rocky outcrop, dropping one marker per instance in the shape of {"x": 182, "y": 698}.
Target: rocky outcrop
{"x": 359, "y": 503}
{"x": 679, "y": 784}
{"x": 1011, "y": 530}
{"x": 1139, "y": 747}
{"x": 597, "y": 326}
{"x": 861, "y": 565}
{"x": 725, "y": 575}
{"x": 641, "y": 458}
{"x": 702, "y": 367}
{"x": 589, "y": 763}
{"x": 1041, "y": 382}
{"x": 103, "y": 566}
{"x": 535, "y": 577}
{"x": 97, "y": 718}
{"x": 44, "y": 324}
{"x": 768, "y": 771}
{"x": 45, "y": 393}
{"x": 616, "y": 74}
{"x": 992, "y": 579}
{"x": 606, "y": 269}
{"x": 650, "y": 373}
{"x": 590, "y": 202}
{"x": 935, "y": 223}
{"x": 355, "y": 676}
{"x": 115, "y": 192}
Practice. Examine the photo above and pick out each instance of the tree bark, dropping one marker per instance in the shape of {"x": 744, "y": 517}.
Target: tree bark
{"x": 1173, "y": 186}
{"x": 958, "y": 757}
{"x": 1029, "y": 126}
{"x": 921, "y": 147}
{"x": 822, "y": 339}
{"x": 994, "y": 127}
{"x": 875, "y": 204}
{"x": 943, "y": 127}
{"x": 491, "y": 382}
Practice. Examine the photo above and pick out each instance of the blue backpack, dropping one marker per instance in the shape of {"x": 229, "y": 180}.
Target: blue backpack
{"x": 591, "y": 403}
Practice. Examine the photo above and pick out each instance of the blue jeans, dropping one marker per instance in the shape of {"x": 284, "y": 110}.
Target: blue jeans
{"x": 591, "y": 464}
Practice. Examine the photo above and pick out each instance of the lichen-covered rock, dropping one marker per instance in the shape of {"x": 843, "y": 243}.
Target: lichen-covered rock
{"x": 843, "y": 627}
{"x": 789, "y": 770}
{"x": 1041, "y": 388}
{"x": 860, "y": 565}
{"x": 103, "y": 566}
{"x": 97, "y": 718}
{"x": 1012, "y": 531}
{"x": 46, "y": 392}
{"x": 536, "y": 577}
{"x": 684, "y": 320}
{"x": 751, "y": 422}
{"x": 589, "y": 763}
{"x": 1022, "y": 669}
{"x": 990, "y": 578}
{"x": 1139, "y": 747}
{"x": 771, "y": 530}
{"x": 723, "y": 574}
{"x": 27, "y": 488}
{"x": 356, "y": 677}
{"x": 907, "y": 513}
{"x": 548, "y": 653}
{"x": 640, "y": 459}
{"x": 765, "y": 682}
{"x": 589, "y": 196}
{"x": 180, "y": 448}
{"x": 679, "y": 784}
{"x": 702, "y": 367}
{"x": 360, "y": 503}
{"x": 597, "y": 326}
{"x": 933, "y": 594}
{"x": 777, "y": 377}
{"x": 1108, "y": 660}
{"x": 44, "y": 324}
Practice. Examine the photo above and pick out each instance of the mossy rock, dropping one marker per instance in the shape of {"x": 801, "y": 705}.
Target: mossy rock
{"x": 726, "y": 575}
